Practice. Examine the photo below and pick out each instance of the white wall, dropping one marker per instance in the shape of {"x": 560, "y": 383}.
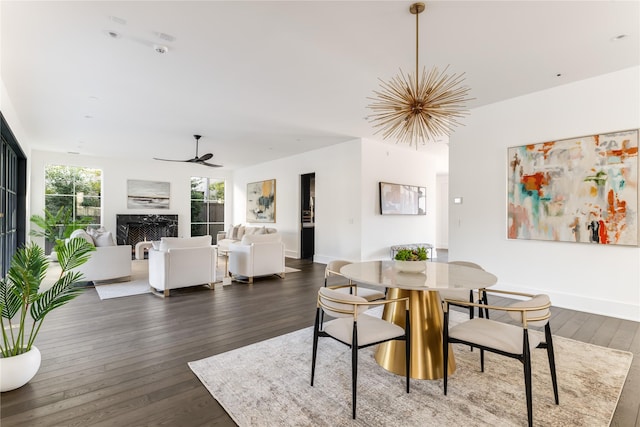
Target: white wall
{"x": 398, "y": 165}
{"x": 593, "y": 278}
{"x": 116, "y": 172}
{"x": 337, "y": 180}
{"x": 348, "y": 223}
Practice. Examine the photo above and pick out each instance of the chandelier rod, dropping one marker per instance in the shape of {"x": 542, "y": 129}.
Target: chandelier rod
{"x": 417, "y": 9}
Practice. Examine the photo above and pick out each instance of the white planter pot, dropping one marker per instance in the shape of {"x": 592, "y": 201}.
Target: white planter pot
{"x": 16, "y": 371}
{"x": 411, "y": 266}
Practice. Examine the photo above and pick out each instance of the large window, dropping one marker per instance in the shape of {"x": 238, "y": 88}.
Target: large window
{"x": 74, "y": 194}
{"x": 13, "y": 178}
{"x": 207, "y": 206}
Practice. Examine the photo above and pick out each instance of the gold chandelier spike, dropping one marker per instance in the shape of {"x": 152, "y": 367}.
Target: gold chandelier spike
{"x": 418, "y": 108}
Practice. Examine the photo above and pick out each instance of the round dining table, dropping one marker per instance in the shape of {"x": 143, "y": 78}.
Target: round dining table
{"x": 425, "y": 307}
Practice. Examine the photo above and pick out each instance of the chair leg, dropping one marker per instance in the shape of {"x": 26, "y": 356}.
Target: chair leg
{"x": 354, "y": 367}
{"x": 527, "y": 376}
{"x": 316, "y": 328}
{"x": 552, "y": 361}
{"x": 407, "y": 346}
{"x": 481, "y": 360}
{"x": 445, "y": 348}
{"x": 472, "y": 309}
{"x": 486, "y": 302}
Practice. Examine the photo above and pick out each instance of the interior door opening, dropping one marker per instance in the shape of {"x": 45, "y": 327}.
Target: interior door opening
{"x": 307, "y": 217}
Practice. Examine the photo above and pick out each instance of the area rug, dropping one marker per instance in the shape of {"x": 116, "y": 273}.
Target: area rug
{"x": 267, "y": 384}
{"x": 138, "y": 283}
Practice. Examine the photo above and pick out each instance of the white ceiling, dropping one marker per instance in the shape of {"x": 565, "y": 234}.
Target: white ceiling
{"x": 262, "y": 80}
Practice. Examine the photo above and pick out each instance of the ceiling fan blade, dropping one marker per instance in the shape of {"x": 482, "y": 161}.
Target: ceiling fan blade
{"x": 211, "y": 165}
{"x": 205, "y": 157}
{"x": 170, "y": 160}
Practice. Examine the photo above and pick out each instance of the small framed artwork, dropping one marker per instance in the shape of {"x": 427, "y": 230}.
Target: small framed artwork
{"x": 401, "y": 199}
{"x": 261, "y": 201}
{"x": 148, "y": 194}
{"x": 582, "y": 190}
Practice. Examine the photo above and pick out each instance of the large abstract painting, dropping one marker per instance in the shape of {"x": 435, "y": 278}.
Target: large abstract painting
{"x": 575, "y": 190}
{"x": 261, "y": 201}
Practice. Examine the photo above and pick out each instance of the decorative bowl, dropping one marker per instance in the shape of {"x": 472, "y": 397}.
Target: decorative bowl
{"x": 410, "y": 266}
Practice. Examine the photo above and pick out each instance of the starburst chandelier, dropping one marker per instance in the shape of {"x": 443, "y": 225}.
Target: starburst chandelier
{"x": 413, "y": 110}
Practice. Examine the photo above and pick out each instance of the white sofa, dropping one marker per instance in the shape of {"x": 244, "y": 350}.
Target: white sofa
{"x": 237, "y": 232}
{"x": 256, "y": 255}
{"x": 180, "y": 262}
{"x": 108, "y": 261}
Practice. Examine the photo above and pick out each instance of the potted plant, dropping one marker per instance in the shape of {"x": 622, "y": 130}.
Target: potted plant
{"x": 20, "y": 298}
{"x": 55, "y": 227}
{"x": 405, "y": 260}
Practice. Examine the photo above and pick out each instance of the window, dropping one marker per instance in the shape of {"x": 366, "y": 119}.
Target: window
{"x": 207, "y": 206}
{"x": 13, "y": 179}
{"x": 75, "y": 195}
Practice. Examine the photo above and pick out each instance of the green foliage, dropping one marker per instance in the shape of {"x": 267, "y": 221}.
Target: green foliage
{"x": 55, "y": 227}
{"x": 419, "y": 254}
{"x": 20, "y": 292}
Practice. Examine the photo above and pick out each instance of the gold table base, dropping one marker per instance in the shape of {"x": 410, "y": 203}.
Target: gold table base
{"x": 426, "y": 336}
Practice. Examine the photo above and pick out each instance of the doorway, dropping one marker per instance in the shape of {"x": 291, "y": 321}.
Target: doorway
{"x": 307, "y": 217}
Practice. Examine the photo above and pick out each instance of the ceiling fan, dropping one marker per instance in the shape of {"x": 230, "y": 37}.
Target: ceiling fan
{"x": 202, "y": 160}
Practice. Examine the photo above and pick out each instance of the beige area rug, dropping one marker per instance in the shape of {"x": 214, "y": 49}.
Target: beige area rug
{"x": 267, "y": 384}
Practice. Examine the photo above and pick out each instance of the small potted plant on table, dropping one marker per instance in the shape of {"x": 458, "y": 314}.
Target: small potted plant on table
{"x": 411, "y": 260}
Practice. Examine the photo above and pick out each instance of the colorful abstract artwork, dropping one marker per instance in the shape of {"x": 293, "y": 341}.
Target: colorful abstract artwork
{"x": 575, "y": 190}
{"x": 261, "y": 201}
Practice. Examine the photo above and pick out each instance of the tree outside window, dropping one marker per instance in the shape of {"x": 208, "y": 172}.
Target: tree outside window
{"x": 207, "y": 206}
{"x": 78, "y": 191}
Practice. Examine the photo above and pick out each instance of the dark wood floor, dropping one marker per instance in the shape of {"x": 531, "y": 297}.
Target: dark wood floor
{"x": 123, "y": 362}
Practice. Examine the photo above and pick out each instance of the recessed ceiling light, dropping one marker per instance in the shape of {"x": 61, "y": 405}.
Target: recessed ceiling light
{"x": 113, "y": 34}
{"x": 559, "y": 75}
{"x": 160, "y": 49}
{"x": 619, "y": 37}
{"x": 117, "y": 20}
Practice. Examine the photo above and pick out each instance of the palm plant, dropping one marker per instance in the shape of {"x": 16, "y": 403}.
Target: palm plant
{"x": 20, "y": 292}
{"x": 55, "y": 227}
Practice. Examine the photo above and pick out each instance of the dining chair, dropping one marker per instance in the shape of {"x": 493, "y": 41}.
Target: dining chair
{"x": 463, "y": 295}
{"x": 355, "y": 329}
{"x": 332, "y": 270}
{"x": 506, "y": 339}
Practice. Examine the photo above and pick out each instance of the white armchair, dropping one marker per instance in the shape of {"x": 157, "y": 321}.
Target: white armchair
{"x": 107, "y": 263}
{"x": 182, "y": 262}
{"x": 257, "y": 255}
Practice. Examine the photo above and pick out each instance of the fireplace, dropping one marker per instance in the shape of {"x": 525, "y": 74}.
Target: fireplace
{"x": 131, "y": 229}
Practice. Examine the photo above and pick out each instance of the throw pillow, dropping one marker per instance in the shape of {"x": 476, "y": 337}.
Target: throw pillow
{"x": 230, "y": 231}
{"x": 83, "y": 234}
{"x": 102, "y": 237}
{"x": 241, "y": 232}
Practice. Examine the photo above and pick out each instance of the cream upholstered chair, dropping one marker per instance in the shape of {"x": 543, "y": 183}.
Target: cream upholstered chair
{"x": 464, "y": 295}
{"x": 355, "y": 329}
{"x": 333, "y": 270}
{"x": 179, "y": 262}
{"x": 506, "y": 339}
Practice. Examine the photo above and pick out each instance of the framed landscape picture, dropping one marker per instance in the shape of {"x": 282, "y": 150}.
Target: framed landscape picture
{"x": 575, "y": 190}
{"x": 148, "y": 194}
{"x": 261, "y": 201}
